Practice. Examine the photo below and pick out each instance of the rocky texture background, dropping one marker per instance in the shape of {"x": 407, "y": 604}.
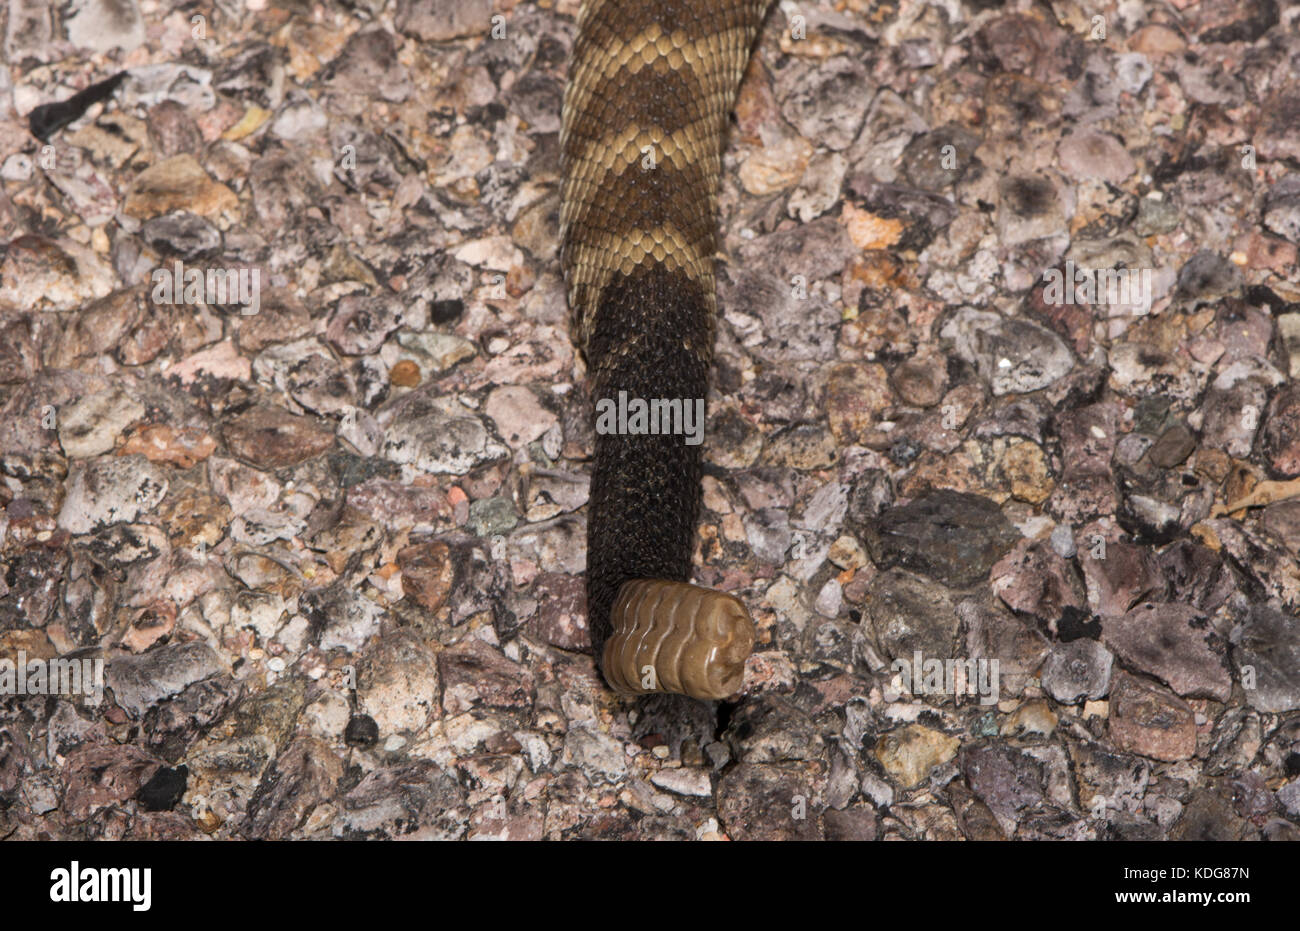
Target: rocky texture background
{"x": 330, "y": 551}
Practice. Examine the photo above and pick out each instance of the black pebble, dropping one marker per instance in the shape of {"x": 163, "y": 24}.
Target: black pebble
{"x": 362, "y": 731}
{"x": 1076, "y": 624}
{"x": 164, "y": 789}
{"x": 448, "y": 311}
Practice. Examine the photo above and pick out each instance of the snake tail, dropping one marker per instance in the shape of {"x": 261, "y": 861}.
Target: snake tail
{"x": 651, "y": 85}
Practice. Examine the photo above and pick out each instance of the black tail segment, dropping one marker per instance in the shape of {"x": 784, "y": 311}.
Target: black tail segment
{"x": 49, "y": 118}
{"x": 651, "y": 338}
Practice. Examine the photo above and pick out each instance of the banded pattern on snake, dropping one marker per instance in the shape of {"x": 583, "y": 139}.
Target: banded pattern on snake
{"x": 651, "y": 86}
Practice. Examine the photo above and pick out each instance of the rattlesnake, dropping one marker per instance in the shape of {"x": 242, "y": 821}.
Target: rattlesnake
{"x": 651, "y": 86}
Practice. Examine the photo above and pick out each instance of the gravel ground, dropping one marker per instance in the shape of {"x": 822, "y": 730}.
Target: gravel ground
{"x": 325, "y": 531}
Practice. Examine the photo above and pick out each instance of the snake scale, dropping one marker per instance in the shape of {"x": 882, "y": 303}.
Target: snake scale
{"x": 651, "y": 87}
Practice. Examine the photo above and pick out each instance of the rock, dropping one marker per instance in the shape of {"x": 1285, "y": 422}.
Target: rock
{"x": 769, "y": 729}
{"x": 1007, "y": 780}
{"x": 417, "y": 800}
{"x": 1108, "y": 781}
{"x": 1282, "y": 432}
{"x": 853, "y": 824}
{"x": 342, "y": 618}
{"x": 172, "y": 130}
{"x": 1150, "y": 720}
{"x": 1282, "y": 216}
{"x": 857, "y": 396}
{"x": 686, "y": 781}
{"x": 101, "y": 775}
{"x": 1156, "y": 214}
{"x": 1025, "y": 466}
{"x": 90, "y": 425}
{"x": 547, "y": 493}
{"x": 1062, "y": 541}
{"x": 1032, "y": 579}
{"x": 110, "y": 491}
{"x": 909, "y": 753}
{"x": 177, "y": 183}
{"x": 436, "y": 435}
{"x": 1172, "y": 643}
{"x": 162, "y": 443}
{"x": 909, "y": 613}
{"x": 1119, "y": 576}
{"x": 950, "y": 536}
{"x": 441, "y": 20}
{"x": 1013, "y": 355}
{"x": 28, "y": 32}
{"x": 921, "y": 381}
{"x": 993, "y": 633}
{"x": 735, "y": 442}
{"x": 491, "y": 516}
{"x": 1265, "y": 560}
{"x": 436, "y": 353}
{"x": 1172, "y": 447}
{"x": 1266, "y": 653}
{"x": 368, "y": 70}
{"x": 1077, "y": 670}
{"x": 271, "y": 438}
{"x": 1282, "y": 520}
{"x": 313, "y": 378}
{"x": 1029, "y": 208}
{"x": 1197, "y": 576}
{"x": 185, "y": 85}
{"x": 1289, "y": 797}
{"x": 219, "y": 363}
{"x": 771, "y": 801}
{"x": 300, "y": 119}
{"x": 792, "y": 326}
{"x": 1207, "y": 816}
{"x": 149, "y": 625}
{"x": 599, "y": 756}
{"x": 405, "y": 374}
{"x": 304, "y": 776}
{"x": 361, "y": 322}
{"x": 37, "y": 271}
{"x": 974, "y": 818}
{"x": 181, "y": 234}
{"x": 174, "y": 724}
{"x": 804, "y": 446}
{"x": 924, "y": 164}
{"x": 103, "y": 25}
{"x": 561, "y": 618}
{"x": 1233, "y": 410}
{"x": 825, "y": 103}
{"x": 428, "y": 573}
{"x": 780, "y": 163}
{"x": 819, "y": 188}
{"x": 139, "y": 682}
{"x": 473, "y": 674}
{"x": 397, "y": 684}
{"x": 1032, "y": 719}
{"x": 1208, "y": 274}
{"x": 1091, "y": 154}
{"x": 1139, "y": 369}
